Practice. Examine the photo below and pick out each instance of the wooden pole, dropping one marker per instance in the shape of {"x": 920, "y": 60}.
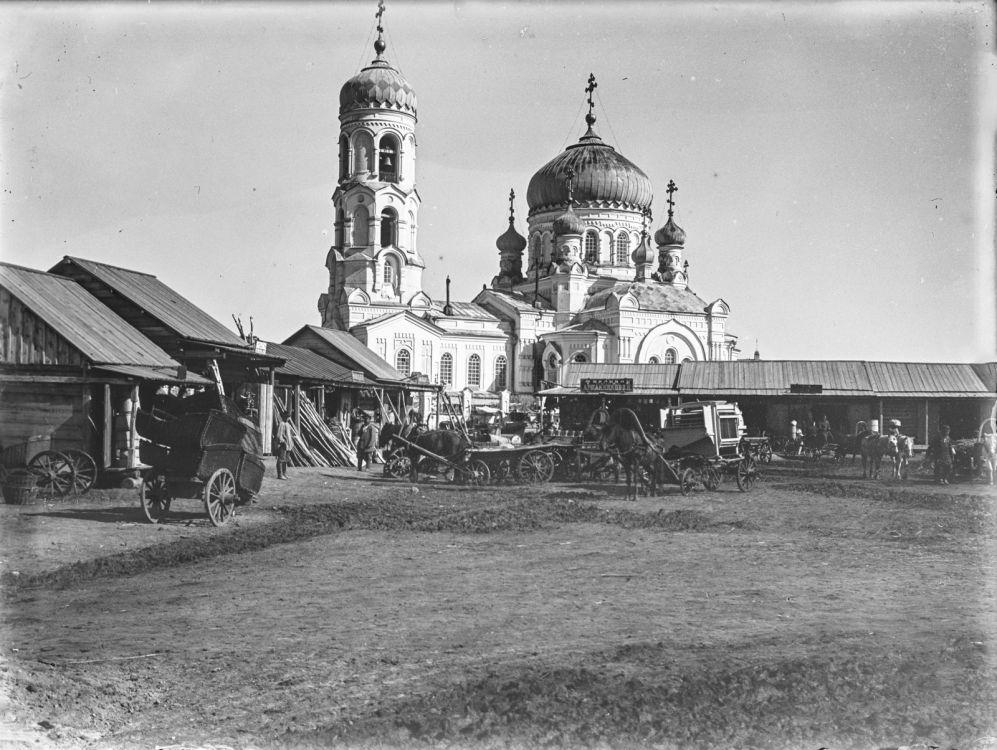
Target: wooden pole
{"x": 108, "y": 427}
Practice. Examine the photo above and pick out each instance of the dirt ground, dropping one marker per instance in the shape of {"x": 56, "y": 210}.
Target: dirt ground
{"x": 343, "y": 609}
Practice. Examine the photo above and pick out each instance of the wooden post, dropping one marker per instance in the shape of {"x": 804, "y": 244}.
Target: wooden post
{"x": 108, "y": 427}
{"x": 265, "y": 412}
{"x": 296, "y": 407}
{"x": 133, "y": 459}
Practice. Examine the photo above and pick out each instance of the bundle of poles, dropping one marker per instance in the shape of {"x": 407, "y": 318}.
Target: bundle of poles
{"x": 317, "y": 444}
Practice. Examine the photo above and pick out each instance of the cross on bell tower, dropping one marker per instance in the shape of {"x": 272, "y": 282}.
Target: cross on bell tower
{"x": 671, "y": 190}
{"x": 590, "y": 117}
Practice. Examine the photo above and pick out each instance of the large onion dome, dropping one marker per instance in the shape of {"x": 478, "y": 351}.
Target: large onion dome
{"x": 601, "y": 176}
{"x": 377, "y": 86}
{"x": 670, "y": 234}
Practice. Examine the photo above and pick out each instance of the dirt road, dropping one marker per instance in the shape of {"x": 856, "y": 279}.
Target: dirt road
{"x": 349, "y": 611}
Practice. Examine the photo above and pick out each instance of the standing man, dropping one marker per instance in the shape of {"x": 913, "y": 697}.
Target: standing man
{"x": 942, "y": 452}
{"x": 366, "y": 442}
{"x": 285, "y": 439}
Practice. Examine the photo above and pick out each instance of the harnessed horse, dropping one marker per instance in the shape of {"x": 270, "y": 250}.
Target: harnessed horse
{"x": 446, "y": 444}
{"x": 624, "y": 438}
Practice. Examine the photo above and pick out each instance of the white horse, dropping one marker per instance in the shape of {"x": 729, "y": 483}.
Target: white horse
{"x": 986, "y": 454}
{"x": 899, "y": 449}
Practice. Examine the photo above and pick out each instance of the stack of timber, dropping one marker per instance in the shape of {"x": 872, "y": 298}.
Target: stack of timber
{"x": 316, "y": 444}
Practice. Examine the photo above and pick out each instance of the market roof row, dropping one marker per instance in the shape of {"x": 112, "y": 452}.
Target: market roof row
{"x": 782, "y": 377}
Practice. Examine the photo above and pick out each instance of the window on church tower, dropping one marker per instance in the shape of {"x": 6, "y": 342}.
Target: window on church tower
{"x": 389, "y": 228}
{"x": 446, "y": 369}
{"x": 344, "y": 157}
{"x": 535, "y": 259}
{"x": 654, "y": 361}
{"x": 671, "y": 357}
{"x": 403, "y": 361}
{"x": 501, "y": 367}
{"x": 361, "y": 227}
{"x": 389, "y": 273}
{"x": 387, "y": 167}
{"x": 474, "y": 370}
{"x": 591, "y": 246}
{"x": 622, "y": 249}
{"x": 580, "y": 357}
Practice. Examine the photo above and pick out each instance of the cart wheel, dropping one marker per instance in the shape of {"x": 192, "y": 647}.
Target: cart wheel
{"x": 712, "y": 478}
{"x": 86, "y": 471}
{"x": 535, "y": 467}
{"x": 398, "y": 467}
{"x": 686, "y": 479}
{"x": 475, "y": 472}
{"x": 156, "y": 497}
{"x": 765, "y": 454}
{"x": 747, "y": 473}
{"x": 53, "y": 472}
{"x": 220, "y": 496}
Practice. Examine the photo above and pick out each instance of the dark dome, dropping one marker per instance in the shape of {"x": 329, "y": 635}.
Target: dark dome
{"x": 670, "y": 234}
{"x": 643, "y": 254}
{"x": 601, "y": 175}
{"x": 511, "y": 241}
{"x": 377, "y": 85}
{"x": 568, "y": 223}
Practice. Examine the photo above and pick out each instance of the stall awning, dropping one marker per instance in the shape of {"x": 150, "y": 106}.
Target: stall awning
{"x": 171, "y": 375}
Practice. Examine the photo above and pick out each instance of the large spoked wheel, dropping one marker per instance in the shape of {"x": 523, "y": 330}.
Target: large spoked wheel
{"x": 535, "y": 467}
{"x": 156, "y": 497}
{"x": 398, "y": 467}
{"x": 475, "y": 473}
{"x": 220, "y": 496}
{"x": 686, "y": 480}
{"x": 747, "y": 474}
{"x": 53, "y": 472}
{"x": 85, "y": 468}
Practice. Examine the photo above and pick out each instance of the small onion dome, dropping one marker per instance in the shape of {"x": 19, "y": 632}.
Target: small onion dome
{"x": 643, "y": 254}
{"x": 670, "y": 234}
{"x": 568, "y": 223}
{"x": 511, "y": 241}
{"x": 601, "y": 175}
{"x": 377, "y": 86}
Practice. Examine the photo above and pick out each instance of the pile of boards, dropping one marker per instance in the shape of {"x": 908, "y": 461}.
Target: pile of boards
{"x": 317, "y": 444}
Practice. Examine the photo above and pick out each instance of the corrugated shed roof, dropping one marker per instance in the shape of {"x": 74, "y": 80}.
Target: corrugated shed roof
{"x": 987, "y": 373}
{"x": 100, "y": 334}
{"x": 354, "y": 350}
{"x": 925, "y": 378}
{"x": 304, "y": 363}
{"x": 160, "y": 301}
{"x": 767, "y": 377}
{"x": 157, "y": 374}
{"x": 651, "y": 378}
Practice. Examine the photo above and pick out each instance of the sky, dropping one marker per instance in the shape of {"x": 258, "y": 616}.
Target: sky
{"x": 835, "y": 161}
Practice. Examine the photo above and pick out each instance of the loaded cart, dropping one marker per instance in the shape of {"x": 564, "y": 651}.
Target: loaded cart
{"x": 208, "y": 455}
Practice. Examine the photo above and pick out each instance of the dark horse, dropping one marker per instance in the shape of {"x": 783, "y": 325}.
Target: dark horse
{"x": 446, "y": 444}
{"x": 624, "y": 438}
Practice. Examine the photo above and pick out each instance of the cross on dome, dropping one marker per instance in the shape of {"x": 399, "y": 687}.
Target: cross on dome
{"x": 512, "y": 210}
{"x": 671, "y": 190}
{"x": 590, "y": 118}
{"x": 379, "y": 45}
{"x": 570, "y": 172}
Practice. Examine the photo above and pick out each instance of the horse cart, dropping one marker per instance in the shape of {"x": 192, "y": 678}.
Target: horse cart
{"x": 518, "y": 464}
{"x": 207, "y": 456}
{"x": 34, "y": 466}
{"x": 460, "y": 468}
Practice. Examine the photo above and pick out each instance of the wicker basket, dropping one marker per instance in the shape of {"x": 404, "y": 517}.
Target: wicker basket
{"x": 20, "y": 487}
{"x": 18, "y": 455}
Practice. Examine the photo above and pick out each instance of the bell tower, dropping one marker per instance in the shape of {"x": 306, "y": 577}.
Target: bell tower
{"x": 374, "y": 263}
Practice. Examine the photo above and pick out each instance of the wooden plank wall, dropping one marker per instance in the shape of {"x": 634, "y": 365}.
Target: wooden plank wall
{"x": 27, "y": 340}
{"x": 57, "y": 409}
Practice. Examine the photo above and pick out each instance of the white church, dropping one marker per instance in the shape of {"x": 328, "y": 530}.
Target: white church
{"x": 587, "y": 286}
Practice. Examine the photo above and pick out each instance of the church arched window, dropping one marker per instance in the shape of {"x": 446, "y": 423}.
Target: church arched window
{"x": 387, "y": 159}
{"x": 501, "y": 367}
{"x": 535, "y": 256}
{"x": 389, "y": 227}
{"x": 390, "y": 273}
{"x": 361, "y": 227}
{"x": 411, "y": 232}
{"x": 403, "y": 361}
{"x": 344, "y": 157}
{"x": 580, "y": 357}
{"x": 338, "y": 230}
{"x": 474, "y": 370}
{"x": 446, "y": 369}
{"x": 654, "y": 361}
{"x": 591, "y": 246}
{"x": 363, "y": 153}
{"x": 671, "y": 357}
{"x": 686, "y": 359}
{"x": 546, "y": 250}
{"x": 622, "y": 249}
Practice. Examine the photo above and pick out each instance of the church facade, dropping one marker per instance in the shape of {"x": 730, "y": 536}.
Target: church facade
{"x": 584, "y": 285}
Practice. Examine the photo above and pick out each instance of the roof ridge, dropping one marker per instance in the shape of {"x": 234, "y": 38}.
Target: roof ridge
{"x": 108, "y": 265}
